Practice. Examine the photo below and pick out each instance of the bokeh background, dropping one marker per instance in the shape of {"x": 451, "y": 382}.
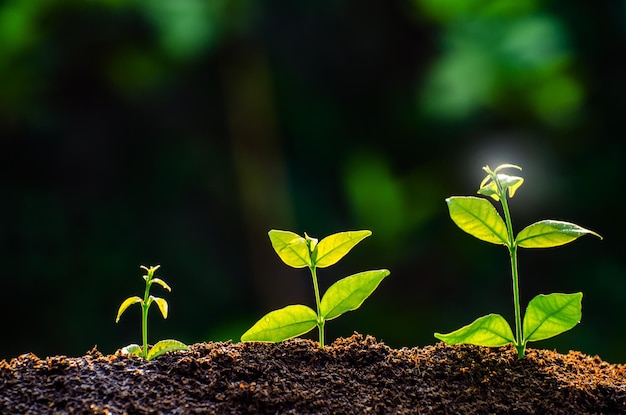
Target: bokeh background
{"x": 179, "y": 132}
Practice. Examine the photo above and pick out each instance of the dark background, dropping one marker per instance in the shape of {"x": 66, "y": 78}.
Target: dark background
{"x": 179, "y": 132}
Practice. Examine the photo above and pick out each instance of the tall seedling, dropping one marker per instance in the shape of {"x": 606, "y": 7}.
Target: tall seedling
{"x": 546, "y": 315}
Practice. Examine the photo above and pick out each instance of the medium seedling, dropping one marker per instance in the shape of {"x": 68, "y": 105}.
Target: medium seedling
{"x": 345, "y": 295}
{"x": 546, "y": 315}
{"x": 163, "y": 346}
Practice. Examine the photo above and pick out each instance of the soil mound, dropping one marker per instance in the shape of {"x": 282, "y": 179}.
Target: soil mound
{"x": 354, "y": 375}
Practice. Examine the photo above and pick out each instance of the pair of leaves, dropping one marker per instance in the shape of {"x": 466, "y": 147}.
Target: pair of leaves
{"x": 299, "y": 252}
{"x": 479, "y": 218}
{"x": 160, "y": 302}
{"x": 546, "y": 316}
{"x": 157, "y": 350}
{"x": 345, "y": 295}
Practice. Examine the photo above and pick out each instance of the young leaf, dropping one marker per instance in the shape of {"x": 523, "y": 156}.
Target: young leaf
{"x": 334, "y": 247}
{"x": 291, "y": 248}
{"x": 349, "y": 293}
{"x": 165, "y": 346}
{"x": 552, "y": 314}
{"x": 162, "y": 305}
{"x": 491, "y": 330}
{"x": 550, "y": 233}
{"x": 162, "y": 283}
{"x": 479, "y": 218}
{"x": 282, "y": 324}
{"x": 127, "y": 303}
{"x": 132, "y": 349}
{"x": 510, "y": 183}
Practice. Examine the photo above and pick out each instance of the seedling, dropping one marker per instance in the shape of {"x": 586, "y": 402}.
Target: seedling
{"x": 345, "y": 295}
{"x": 163, "y": 346}
{"x": 546, "y": 315}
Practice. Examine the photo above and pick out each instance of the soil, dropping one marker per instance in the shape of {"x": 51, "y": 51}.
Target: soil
{"x": 355, "y": 375}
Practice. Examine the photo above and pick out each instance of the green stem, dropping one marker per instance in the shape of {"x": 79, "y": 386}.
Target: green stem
{"x": 145, "y": 306}
{"x": 519, "y": 339}
{"x": 320, "y": 319}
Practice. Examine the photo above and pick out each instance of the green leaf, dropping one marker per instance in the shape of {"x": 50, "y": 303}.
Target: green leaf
{"x": 349, "y": 293}
{"x": 162, "y": 283}
{"x": 491, "y": 330}
{"x": 127, "y": 303}
{"x": 162, "y": 305}
{"x": 334, "y": 247}
{"x": 165, "y": 346}
{"x": 282, "y": 324}
{"x": 479, "y": 218}
{"x": 549, "y": 233}
{"x": 291, "y": 248}
{"x": 552, "y": 314}
{"x": 132, "y": 349}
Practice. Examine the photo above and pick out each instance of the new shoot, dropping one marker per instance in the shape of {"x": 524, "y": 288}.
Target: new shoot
{"x": 162, "y": 346}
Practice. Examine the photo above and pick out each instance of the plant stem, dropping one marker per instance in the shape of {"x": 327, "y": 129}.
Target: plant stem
{"x": 145, "y": 306}
{"x": 519, "y": 339}
{"x": 320, "y": 319}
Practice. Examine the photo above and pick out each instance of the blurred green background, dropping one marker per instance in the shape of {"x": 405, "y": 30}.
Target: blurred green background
{"x": 179, "y": 132}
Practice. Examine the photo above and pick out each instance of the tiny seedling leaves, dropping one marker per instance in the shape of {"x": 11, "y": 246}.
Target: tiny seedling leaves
{"x": 552, "y": 314}
{"x": 162, "y": 346}
{"x": 291, "y": 248}
{"x": 491, "y": 330}
{"x": 512, "y": 183}
{"x": 550, "y": 233}
{"x": 282, "y": 324}
{"x": 479, "y": 218}
{"x": 349, "y": 293}
{"x": 334, "y": 247}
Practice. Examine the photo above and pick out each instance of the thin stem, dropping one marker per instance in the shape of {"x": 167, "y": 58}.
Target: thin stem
{"x": 320, "y": 319}
{"x": 519, "y": 339}
{"x": 144, "y": 329}
{"x": 145, "y": 306}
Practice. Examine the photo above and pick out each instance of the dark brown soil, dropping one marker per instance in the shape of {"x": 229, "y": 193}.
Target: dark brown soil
{"x": 352, "y": 376}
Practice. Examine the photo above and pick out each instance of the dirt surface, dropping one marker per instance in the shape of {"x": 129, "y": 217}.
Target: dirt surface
{"x": 352, "y": 376}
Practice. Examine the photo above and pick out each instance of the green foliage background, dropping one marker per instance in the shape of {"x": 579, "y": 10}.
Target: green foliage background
{"x": 179, "y": 132}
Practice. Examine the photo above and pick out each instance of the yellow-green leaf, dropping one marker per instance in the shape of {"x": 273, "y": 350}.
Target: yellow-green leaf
{"x": 549, "y": 315}
{"x": 162, "y": 305}
{"x": 165, "y": 346}
{"x": 127, "y": 303}
{"x": 134, "y": 349}
{"x": 282, "y": 324}
{"x": 334, "y": 247}
{"x": 162, "y": 284}
{"x": 491, "y": 330}
{"x": 291, "y": 248}
{"x": 479, "y": 218}
{"x": 550, "y": 233}
{"x": 349, "y": 293}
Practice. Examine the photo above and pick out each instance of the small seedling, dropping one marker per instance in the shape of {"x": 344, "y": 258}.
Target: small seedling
{"x": 546, "y": 315}
{"x": 163, "y": 346}
{"x": 345, "y": 295}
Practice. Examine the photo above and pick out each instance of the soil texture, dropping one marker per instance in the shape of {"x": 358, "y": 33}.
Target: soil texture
{"x": 355, "y": 375}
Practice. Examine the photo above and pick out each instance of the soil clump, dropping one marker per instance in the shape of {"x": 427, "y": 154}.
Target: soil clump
{"x": 355, "y": 375}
